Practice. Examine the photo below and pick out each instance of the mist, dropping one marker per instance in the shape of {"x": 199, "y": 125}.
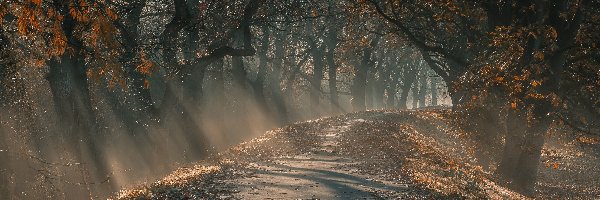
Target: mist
{"x": 119, "y": 156}
{"x": 96, "y": 96}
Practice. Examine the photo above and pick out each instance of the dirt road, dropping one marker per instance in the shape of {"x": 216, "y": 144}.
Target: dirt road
{"x": 320, "y": 174}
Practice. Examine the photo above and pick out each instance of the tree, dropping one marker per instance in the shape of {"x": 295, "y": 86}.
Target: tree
{"x": 529, "y": 38}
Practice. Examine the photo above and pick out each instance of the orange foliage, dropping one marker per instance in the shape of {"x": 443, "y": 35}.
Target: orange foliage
{"x": 146, "y": 66}
{"x": 146, "y": 83}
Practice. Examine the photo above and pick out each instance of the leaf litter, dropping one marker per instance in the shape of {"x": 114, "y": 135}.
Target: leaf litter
{"x": 419, "y": 151}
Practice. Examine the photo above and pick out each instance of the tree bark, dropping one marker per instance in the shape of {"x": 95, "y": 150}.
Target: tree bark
{"x": 315, "y": 81}
{"x": 379, "y": 85}
{"x": 182, "y": 99}
{"x": 369, "y": 90}
{"x": 415, "y": 94}
{"x": 332, "y": 41}
{"x": 409, "y": 77}
{"x": 434, "y": 91}
{"x": 522, "y": 150}
{"x": 69, "y": 85}
{"x": 422, "y": 89}
{"x": 360, "y": 81}
{"x": 391, "y": 91}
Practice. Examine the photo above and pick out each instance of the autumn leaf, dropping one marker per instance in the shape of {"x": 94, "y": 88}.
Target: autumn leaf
{"x": 364, "y": 41}
{"x": 146, "y": 84}
{"x": 499, "y": 78}
{"x": 39, "y": 63}
{"x": 2, "y": 12}
{"x": 538, "y": 55}
{"x": 37, "y": 2}
{"x": 520, "y": 78}
{"x": 111, "y": 14}
{"x": 146, "y": 66}
{"x": 552, "y": 33}
{"x": 21, "y": 26}
{"x": 535, "y": 96}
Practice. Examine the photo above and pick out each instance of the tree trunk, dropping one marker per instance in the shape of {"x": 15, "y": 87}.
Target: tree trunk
{"x": 77, "y": 118}
{"x": 522, "y": 150}
{"x": 403, "y": 100}
{"x": 391, "y": 94}
{"x": 69, "y": 85}
{"x": 175, "y": 116}
{"x": 182, "y": 98}
{"x": 318, "y": 65}
{"x": 379, "y": 87}
{"x": 369, "y": 91}
{"x": 332, "y": 70}
{"x": 238, "y": 74}
{"x": 360, "y": 82}
{"x": 360, "y": 78}
{"x": 142, "y": 108}
{"x": 193, "y": 95}
{"x": 275, "y": 81}
{"x": 434, "y": 91}
{"x": 422, "y": 90}
{"x": 415, "y": 94}
{"x": 258, "y": 85}
{"x": 409, "y": 77}
{"x": 239, "y": 90}
{"x": 393, "y": 83}
{"x": 317, "y": 77}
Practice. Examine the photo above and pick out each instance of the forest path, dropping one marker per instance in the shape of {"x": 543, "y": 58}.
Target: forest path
{"x": 319, "y": 174}
{"x": 383, "y": 154}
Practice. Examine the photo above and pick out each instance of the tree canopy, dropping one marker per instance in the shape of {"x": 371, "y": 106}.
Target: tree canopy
{"x": 81, "y": 73}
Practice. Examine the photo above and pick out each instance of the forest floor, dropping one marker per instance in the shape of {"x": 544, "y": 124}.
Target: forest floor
{"x": 371, "y": 155}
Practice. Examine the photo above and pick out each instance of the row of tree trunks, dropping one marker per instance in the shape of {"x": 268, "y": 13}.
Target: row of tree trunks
{"x": 383, "y": 80}
{"x": 409, "y": 77}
